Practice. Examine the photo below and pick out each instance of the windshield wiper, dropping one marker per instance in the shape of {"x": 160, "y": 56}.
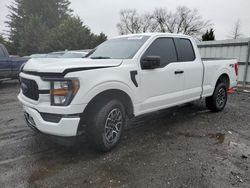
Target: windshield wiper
{"x": 100, "y": 57}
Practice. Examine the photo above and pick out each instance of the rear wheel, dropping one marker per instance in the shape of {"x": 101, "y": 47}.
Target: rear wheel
{"x": 218, "y": 100}
{"x": 104, "y": 129}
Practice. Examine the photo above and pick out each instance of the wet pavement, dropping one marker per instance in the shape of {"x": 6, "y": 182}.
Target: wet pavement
{"x": 185, "y": 146}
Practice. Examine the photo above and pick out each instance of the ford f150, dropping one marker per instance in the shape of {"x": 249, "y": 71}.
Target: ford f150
{"x": 123, "y": 77}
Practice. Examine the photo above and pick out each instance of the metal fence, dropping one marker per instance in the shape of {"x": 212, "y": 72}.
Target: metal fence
{"x": 236, "y": 48}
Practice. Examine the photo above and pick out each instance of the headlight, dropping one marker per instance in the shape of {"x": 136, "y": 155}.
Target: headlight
{"x": 63, "y": 91}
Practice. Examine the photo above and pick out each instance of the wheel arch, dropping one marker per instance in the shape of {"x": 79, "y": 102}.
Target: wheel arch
{"x": 222, "y": 75}
{"x": 223, "y": 78}
{"x": 109, "y": 94}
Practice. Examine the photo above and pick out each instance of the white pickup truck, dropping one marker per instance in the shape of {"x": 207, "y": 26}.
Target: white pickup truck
{"x": 123, "y": 77}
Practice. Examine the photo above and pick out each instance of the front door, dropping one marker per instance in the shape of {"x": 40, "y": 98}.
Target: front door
{"x": 162, "y": 87}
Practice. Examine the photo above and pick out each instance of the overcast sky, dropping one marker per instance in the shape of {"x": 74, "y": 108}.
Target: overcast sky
{"x": 103, "y": 15}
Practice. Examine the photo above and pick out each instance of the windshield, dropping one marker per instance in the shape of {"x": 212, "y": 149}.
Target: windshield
{"x": 119, "y": 48}
{"x": 55, "y": 54}
{"x": 74, "y": 55}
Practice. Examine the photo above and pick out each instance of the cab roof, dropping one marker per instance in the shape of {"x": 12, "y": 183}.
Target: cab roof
{"x": 155, "y": 35}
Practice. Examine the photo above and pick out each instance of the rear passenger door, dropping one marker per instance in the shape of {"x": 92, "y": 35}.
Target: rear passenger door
{"x": 192, "y": 67}
{"x": 163, "y": 86}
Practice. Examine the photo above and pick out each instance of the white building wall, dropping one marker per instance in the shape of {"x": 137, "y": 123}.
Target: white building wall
{"x": 237, "y": 49}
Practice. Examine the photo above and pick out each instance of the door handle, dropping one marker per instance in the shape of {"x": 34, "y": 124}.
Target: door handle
{"x": 179, "y": 72}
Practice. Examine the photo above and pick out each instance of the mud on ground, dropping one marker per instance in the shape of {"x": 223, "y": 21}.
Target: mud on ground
{"x": 185, "y": 146}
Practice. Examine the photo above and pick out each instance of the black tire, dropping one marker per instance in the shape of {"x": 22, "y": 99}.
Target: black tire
{"x": 218, "y": 100}
{"x": 105, "y": 125}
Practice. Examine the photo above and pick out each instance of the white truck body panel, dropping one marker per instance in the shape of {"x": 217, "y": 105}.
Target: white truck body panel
{"x": 215, "y": 68}
{"x": 60, "y": 64}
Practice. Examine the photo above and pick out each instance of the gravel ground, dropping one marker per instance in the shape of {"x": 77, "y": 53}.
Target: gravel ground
{"x": 185, "y": 146}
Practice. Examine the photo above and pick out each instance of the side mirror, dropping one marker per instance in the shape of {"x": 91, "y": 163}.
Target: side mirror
{"x": 151, "y": 62}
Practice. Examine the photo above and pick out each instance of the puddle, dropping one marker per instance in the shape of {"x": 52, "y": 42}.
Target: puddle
{"x": 220, "y": 137}
{"x": 189, "y": 135}
{"x": 45, "y": 172}
{"x": 115, "y": 174}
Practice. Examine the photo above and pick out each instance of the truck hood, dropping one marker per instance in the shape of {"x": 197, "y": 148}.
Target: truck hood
{"x": 60, "y": 65}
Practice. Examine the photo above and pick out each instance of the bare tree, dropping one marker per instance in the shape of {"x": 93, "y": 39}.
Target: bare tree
{"x": 183, "y": 20}
{"x": 235, "y": 33}
{"x": 164, "y": 20}
{"x": 160, "y": 19}
{"x": 130, "y": 22}
{"x": 147, "y": 22}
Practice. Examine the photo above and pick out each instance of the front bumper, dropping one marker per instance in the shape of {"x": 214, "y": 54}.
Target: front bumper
{"x": 66, "y": 127}
{"x": 42, "y": 116}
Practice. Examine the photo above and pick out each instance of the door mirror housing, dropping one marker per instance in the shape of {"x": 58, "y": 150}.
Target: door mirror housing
{"x": 151, "y": 62}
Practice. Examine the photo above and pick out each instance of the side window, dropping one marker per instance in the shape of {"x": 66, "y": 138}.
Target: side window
{"x": 163, "y": 47}
{"x": 185, "y": 49}
{"x": 2, "y": 55}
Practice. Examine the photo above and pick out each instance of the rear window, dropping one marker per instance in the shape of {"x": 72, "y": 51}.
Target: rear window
{"x": 186, "y": 49}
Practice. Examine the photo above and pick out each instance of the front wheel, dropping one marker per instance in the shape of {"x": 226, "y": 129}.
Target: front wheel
{"x": 104, "y": 129}
{"x": 218, "y": 100}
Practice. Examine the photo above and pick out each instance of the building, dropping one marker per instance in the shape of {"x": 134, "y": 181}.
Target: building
{"x": 233, "y": 48}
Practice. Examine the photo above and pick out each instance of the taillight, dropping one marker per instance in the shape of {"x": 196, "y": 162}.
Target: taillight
{"x": 236, "y": 68}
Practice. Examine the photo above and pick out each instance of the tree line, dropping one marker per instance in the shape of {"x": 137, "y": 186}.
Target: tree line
{"x": 41, "y": 26}
{"x": 182, "y": 20}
